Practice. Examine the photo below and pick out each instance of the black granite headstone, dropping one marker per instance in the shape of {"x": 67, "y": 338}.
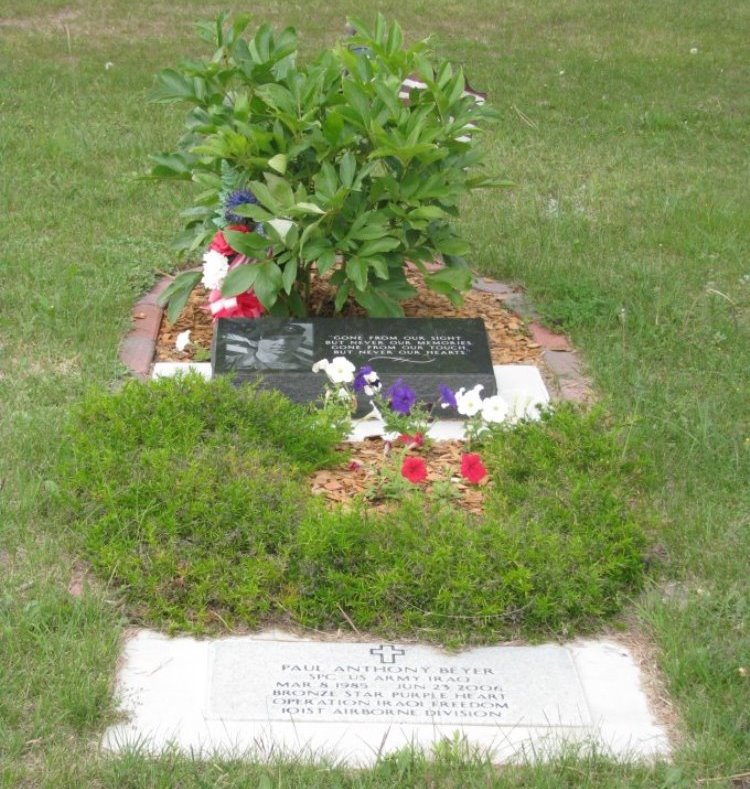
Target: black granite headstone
{"x": 424, "y": 352}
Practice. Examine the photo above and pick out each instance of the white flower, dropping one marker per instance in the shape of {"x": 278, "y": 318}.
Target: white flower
{"x": 215, "y": 267}
{"x": 522, "y": 404}
{"x": 694, "y": 50}
{"x": 340, "y": 370}
{"x": 372, "y": 383}
{"x": 494, "y": 409}
{"x": 321, "y": 365}
{"x": 183, "y": 340}
{"x": 469, "y": 403}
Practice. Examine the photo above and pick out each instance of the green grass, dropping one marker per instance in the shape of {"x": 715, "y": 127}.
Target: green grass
{"x": 643, "y": 147}
{"x": 189, "y": 498}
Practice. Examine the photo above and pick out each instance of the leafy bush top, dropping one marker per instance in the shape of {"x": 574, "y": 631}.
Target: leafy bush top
{"x": 347, "y": 175}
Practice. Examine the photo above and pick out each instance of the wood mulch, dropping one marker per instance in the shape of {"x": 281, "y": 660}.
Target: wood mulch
{"x": 362, "y": 471}
{"x": 510, "y": 343}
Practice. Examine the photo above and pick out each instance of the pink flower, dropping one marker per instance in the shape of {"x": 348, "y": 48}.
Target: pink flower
{"x": 417, "y": 440}
{"x": 414, "y": 469}
{"x": 472, "y": 468}
{"x": 246, "y": 305}
{"x": 220, "y": 244}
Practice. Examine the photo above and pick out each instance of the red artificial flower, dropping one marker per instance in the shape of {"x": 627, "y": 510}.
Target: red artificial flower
{"x": 417, "y": 440}
{"x": 414, "y": 469}
{"x": 246, "y": 305}
{"x": 221, "y": 245}
{"x": 472, "y": 468}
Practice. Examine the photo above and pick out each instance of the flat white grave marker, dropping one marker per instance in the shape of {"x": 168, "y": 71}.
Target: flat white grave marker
{"x": 259, "y": 695}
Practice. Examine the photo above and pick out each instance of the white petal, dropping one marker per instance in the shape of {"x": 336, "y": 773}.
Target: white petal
{"x": 321, "y": 365}
{"x": 183, "y": 340}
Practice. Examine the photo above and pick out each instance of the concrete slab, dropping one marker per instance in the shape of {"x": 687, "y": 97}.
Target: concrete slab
{"x": 274, "y": 693}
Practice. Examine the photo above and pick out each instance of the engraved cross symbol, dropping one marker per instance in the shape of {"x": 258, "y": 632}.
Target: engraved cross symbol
{"x": 387, "y": 657}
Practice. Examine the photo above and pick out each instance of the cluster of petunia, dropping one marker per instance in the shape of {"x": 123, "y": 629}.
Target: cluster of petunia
{"x": 220, "y": 259}
{"x": 406, "y": 422}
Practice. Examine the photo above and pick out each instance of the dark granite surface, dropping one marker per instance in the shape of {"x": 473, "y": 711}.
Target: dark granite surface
{"x": 424, "y": 352}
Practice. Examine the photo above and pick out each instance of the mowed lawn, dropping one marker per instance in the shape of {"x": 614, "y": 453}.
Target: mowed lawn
{"x": 625, "y": 127}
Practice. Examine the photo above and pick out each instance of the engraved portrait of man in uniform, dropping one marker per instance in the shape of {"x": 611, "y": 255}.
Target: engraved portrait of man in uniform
{"x": 270, "y": 346}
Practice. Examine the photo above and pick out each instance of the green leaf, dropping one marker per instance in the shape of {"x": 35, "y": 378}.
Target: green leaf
{"x": 309, "y": 208}
{"x": 427, "y": 212}
{"x": 384, "y": 244}
{"x": 289, "y": 275}
{"x": 278, "y": 163}
{"x": 281, "y": 228}
{"x": 326, "y": 259}
{"x": 250, "y": 244}
{"x": 268, "y": 283}
{"x": 347, "y": 168}
{"x": 378, "y": 304}
{"x": 452, "y": 245}
{"x": 342, "y": 294}
{"x": 454, "y": 278}
{"x": 239, "y": 279}
{"x": 379, "y": 266}
{"x": 252, "y": 211}
{"x": 178, "y": 292}
{"x": 356, "y": 270}
{"x": 358, "y": 101}
{"x": 280, "y": 190}
{"x": 171, "y": 165}
{"x": 332, "y": 127}
{"x": 172, "y": 86}
{"x": 265, "y": 198}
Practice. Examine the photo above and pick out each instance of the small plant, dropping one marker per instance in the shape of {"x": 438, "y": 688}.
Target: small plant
{"x": 337, "y": 168}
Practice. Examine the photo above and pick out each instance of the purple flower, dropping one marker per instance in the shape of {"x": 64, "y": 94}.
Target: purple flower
{"x": 447, "y": 397}
{"x": 237, "y": 198}
{"x": 360, "y": 380}
{"x": 402, "y": 397}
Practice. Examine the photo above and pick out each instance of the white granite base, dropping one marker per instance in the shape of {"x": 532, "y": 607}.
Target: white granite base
{"x": 520, "y": 385}
{"x": 271, "y": 693}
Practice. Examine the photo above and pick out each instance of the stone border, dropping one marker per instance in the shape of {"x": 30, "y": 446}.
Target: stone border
{"x": 562, "y": 370}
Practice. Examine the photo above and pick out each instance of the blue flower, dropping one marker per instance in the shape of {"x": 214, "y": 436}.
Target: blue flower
{"x": 237, "y": 198}
{"x": 447, "y": 397}
{"x": 402, "y": 397}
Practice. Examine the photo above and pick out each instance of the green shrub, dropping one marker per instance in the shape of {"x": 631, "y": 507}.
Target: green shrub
{"x": 339, "y": 171}
{"x": 191, "y": 498}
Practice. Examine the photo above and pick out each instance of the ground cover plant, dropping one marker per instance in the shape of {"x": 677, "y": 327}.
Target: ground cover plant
{"x": 624, "y": 128}
{"x": 190, "y": 499}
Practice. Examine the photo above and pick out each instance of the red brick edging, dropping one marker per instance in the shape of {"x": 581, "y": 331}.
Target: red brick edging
{"x": 565, "y": 377}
